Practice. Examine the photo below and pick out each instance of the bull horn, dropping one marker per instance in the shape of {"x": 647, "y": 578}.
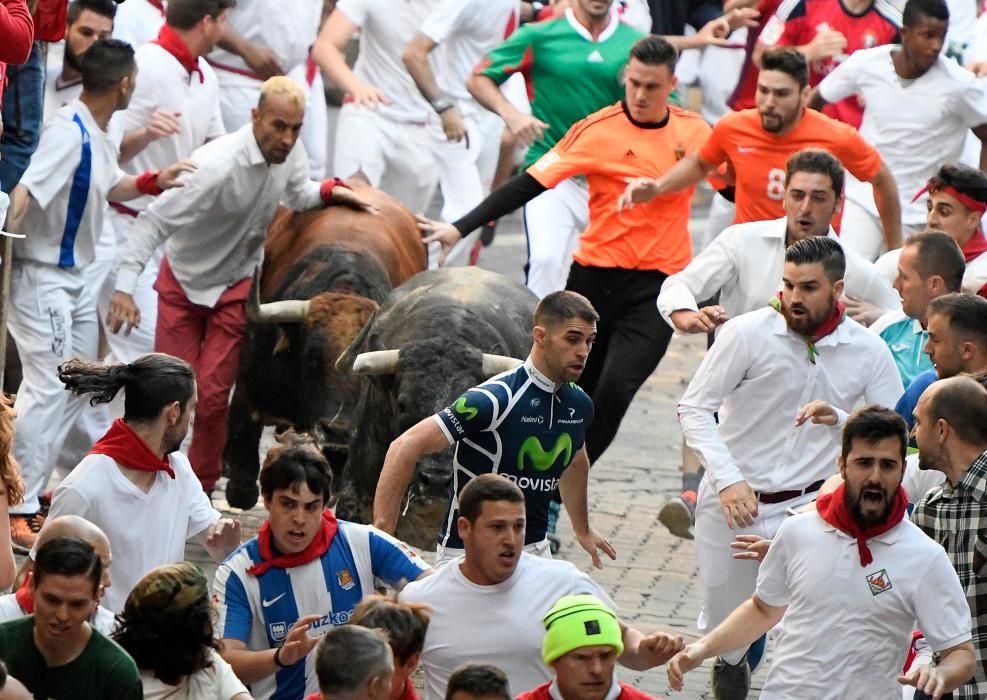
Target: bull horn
{"x": 290, "y": 311}
{"x": 376, "y": 362}
{"x": 495, "y": 364}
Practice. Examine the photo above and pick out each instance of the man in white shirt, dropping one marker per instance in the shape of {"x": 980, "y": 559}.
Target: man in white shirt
{"x": 176, "y": 81}
{"x": 384, "y": 127}
{"x": 919, "y": 106}
{"x": 138, "y": 21}
{"x": 214, "y": 240}
{"x": 488, "y": 605}
{"x": 744, "y": 264}
{"x": 59, "y": 204}
{"x": 134, "y": 484}
{"x": 86, "y": 22}
{"x": 846, "y": 578}
{"x": 457, "y": 35}
{"x": 261, "y": 39}
{"x": 782, "y": 379}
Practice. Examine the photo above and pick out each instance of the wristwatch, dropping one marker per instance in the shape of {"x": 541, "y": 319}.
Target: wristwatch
{"x": 441, "y": 104}
{"x": 536, "y": 8}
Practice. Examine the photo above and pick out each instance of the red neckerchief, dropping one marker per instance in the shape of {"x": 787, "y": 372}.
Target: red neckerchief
{"x": 316, "y": 548}
{"x": 976, "y": 246}
{"x": 158, "y": 4}
{"x": 169, "y": 40}
{"x": 832, "y": 508}
{"x": 409, "y": 691}
{"x": 830, "y": 324}
{"x": 24, "y": 597}
{"x": 125, "y": 446}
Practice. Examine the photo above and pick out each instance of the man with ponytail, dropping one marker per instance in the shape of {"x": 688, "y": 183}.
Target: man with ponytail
{"x": 134, "y": 484}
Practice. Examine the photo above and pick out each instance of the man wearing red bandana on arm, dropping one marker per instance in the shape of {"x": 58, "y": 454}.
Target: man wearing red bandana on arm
{"x": 844, "y": 577}
{"x": 303, "y": 574}
{"x": 134, "y": 484}
{"x": 783, "y": 382}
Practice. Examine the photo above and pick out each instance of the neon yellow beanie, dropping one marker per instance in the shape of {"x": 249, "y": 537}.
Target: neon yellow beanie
{"x": 577, "y": 621}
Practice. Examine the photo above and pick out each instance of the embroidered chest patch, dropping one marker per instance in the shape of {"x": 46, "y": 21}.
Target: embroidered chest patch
{"x": 879, "y": 582}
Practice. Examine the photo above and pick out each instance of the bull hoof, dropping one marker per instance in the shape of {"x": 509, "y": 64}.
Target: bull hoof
{"x": 242, "y": 495}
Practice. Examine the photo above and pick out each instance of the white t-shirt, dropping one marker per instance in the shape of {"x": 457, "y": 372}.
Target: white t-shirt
{"x": 145, "y": 529}
{"x": 918, "y": 482}
{"x": 103, "y": 620}
{"x": 387, "y": 27}
{"x": 163, "y": 84}
{"x": 61, "y": 228}
{"x": 848, "y": 627}
{"x": 138, "y": 22}
{"x": 287, "y": 27}
{"x": 916, "y": 128}
{"x": 218, "y": 682}
{"x": 465, "y": 30}
{"x": 500, "y": 624}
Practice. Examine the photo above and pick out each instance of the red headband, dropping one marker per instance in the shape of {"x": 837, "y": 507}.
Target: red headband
{"x": 964, "y": 199}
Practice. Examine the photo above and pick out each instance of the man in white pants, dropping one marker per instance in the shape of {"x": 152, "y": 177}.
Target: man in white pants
{"x": 60, "y": 203}
{"x": 385, "y": 125}
{"x": 176, "y": 80}
{"x": 919, "y": 106}
{"x": 457, "y": 34}
{"x": 264, "y": 38}
{"x": 782, "y": 381}
{"x": 851, "y": 578}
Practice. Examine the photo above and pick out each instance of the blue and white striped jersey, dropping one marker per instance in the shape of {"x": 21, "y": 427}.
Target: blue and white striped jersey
{"x": 259, "y": 610}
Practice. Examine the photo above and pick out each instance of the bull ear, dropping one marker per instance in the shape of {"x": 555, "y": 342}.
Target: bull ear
{"x": 346, "y": 359}
{"x": 377, "y": 362}
{"x": 495, "y": 364}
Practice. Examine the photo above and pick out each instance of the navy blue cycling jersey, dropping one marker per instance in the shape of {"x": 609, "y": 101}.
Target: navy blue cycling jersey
{"x": 520, "y": 425}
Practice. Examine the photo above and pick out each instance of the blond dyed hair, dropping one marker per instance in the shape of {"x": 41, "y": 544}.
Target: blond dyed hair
{"x": 10, "y": 472}
{"x": 283, "y": 86}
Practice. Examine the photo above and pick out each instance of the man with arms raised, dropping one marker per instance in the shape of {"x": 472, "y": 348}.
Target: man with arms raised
{"x": 782, "y": 380}
{"x": 533, "y": 416}
{"x": 502, "y": 593}
{"x": 846, "y": 578}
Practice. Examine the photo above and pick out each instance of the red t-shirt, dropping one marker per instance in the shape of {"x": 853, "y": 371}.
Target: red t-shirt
{"x": 541, "y": 693}
{"x": 797, "y": 25}
{"x": 743, "y": 94}
{"x": 409, "y": 693}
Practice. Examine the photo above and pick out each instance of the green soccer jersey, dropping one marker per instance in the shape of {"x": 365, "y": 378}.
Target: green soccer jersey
{"x": 571, "y": 75}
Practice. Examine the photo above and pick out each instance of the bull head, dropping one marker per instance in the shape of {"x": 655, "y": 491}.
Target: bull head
{"x": 289, "y": 311}
{"x": 386, "y": 362}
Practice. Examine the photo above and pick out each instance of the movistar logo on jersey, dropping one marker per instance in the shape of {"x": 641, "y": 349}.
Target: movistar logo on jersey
{"x": 541, "y": 459}
{"x": 464, "y": 410}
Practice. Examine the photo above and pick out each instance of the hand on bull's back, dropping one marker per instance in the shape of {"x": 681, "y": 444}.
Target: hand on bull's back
{"x": 439, "y": 232}
{"x": 344, "y": 196}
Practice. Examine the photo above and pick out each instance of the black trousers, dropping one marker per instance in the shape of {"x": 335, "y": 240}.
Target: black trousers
{"x": 631, "y": 340}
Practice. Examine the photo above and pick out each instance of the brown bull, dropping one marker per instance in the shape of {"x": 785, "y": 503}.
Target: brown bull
{"x": 325, "y": 273}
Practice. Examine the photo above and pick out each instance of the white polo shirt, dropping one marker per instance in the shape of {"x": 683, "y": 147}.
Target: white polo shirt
{"x": 287, "y": 27}
{"x": 216, "y": 224}
{"x": 69, "y": 178}
{"x": 145, "y": 529}
{"x": 848, "y": 627}
{"x": 138, "y": 22}
{"x": 163, "y": 84}
{"x": 745, "y": 264}
{"x": 465, "y": 30}
{"x": 387, "y": 27}
{"x": 499, "y": 624}
{"x": 915, "y": 127}
{"x": 757, "y": 376}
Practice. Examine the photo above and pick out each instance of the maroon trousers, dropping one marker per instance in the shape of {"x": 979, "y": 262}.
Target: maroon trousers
{"x": 209, "y": 340}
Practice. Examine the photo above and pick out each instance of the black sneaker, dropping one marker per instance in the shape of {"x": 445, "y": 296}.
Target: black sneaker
{"x": 729, "y": 681}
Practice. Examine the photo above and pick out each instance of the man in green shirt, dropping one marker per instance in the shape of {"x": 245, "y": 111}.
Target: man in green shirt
{"x": 574, "y": 65}
{"x": 55, "y": 652}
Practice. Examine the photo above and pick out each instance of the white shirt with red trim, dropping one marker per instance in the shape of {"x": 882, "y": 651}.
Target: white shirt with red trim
{"x": 163, "y": 84}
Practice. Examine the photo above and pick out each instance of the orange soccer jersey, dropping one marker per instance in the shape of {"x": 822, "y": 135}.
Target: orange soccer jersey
{"x": 607, "y": 147}
{"x": 759, "y": 157}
